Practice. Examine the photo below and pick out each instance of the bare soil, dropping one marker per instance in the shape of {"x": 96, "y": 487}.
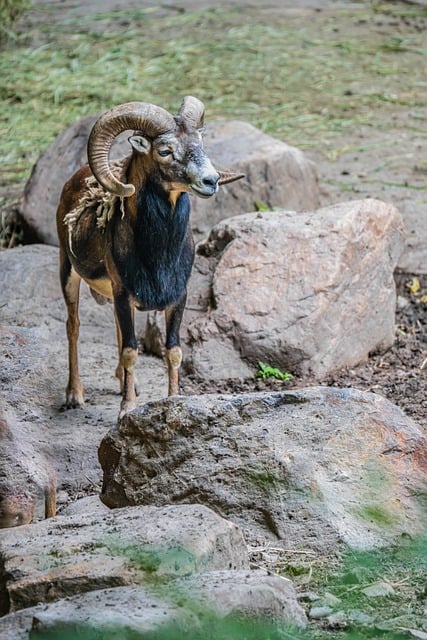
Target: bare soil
{"x": 399, "y": 374}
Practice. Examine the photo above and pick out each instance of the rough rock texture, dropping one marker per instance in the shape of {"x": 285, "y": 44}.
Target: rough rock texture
{"x": 68, "y": 555}
{"x": 276, "y": 175}
{"x": 312, "y": 467}
{"x": 309, "y": 293}
{"x": 37, "y": 439}
{"x": 56, "y": 164}
{"x": 244, "y": 592}
{"x": 134, "y": 609}
{"x": 136, "y": 568}
{"x": 27, "y": 476}
{"x": 185, "y": 604}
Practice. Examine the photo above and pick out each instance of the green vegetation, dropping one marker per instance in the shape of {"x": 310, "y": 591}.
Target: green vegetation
{"x": 302, "y": 88}
{"x": 212, "y": 628}
{"x": 345, "y": 589}
{"x": 11, "y": 10}
{"x": 265, "y": 372}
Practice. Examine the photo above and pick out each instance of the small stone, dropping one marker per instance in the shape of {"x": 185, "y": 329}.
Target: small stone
{"x": 338, "y": 620}
{"x": 402, "y": 302}
{"x": 330, "y": 599}
{"x": 359, "y": 617}
{"x": 316, "y": 613}
{"x": 378, "y": 590}
{"x": 62, "y": 497}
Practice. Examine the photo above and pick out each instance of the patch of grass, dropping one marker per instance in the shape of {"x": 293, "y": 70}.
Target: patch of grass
{"x": 212, "y": 628}
{"x": 265, "y": 372}
{"x": 276, "y": 75}
{"x": 10, "y": 11}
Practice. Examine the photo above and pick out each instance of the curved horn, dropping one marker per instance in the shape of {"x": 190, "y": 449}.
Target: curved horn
{"x": 141, "y": 116}
{"x": 192, "y": 111}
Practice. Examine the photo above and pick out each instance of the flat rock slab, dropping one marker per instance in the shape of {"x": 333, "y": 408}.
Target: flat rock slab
{"x": 192, "y": 603}
{"x": 252, "y": 593}
{"x": 65, "y": 556}
{"x": 312, "y": 467}
{"x": 38, "y": 440}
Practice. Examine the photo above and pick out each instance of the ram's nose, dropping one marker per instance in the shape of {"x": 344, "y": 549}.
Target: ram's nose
{"x": 211, "y": 181}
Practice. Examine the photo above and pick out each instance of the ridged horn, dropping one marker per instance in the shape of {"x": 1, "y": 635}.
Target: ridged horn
{"x": 192, "y": 110}
{"x": 141, "y": 116}
{"x": 225, "y": 177}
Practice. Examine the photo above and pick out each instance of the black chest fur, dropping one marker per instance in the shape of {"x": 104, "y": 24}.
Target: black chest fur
{"x": 156, "y": 265}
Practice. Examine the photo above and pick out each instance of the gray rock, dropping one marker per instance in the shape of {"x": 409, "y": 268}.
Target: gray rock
{"x": 56, "y": 164}
{"x": 243, "y": 593}
{"x": 305, "y": 292}
{"x": 27, "y": 476}
{"x": 316, "y": 613}
{"x": 378, "y": 590}
{"x": 17, "y": 625}
{"x": 132, "y": 608}
{"x": 88, "y": 504}
{"x": 360, "y": 617}
{"x": 311, "y": 467}
{"x": 38, "y": 441}
{"x": 276, "y": 175}
{"x": 184, "y": 603}
{"x": 69, "y": 555}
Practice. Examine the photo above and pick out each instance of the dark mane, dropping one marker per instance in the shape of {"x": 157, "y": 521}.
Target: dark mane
{"x": 157, "y": 268}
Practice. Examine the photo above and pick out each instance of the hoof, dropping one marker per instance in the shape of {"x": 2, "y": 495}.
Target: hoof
{"x": 125, "y": 407}
{"x": 74, "y": 399}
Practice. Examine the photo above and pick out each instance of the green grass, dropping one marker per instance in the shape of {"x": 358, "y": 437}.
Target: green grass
{"x": 302, "y": 84}
{"x": 342, "y": 586}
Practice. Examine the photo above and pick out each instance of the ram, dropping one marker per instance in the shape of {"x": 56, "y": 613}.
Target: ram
{"x": 124, "y": 228}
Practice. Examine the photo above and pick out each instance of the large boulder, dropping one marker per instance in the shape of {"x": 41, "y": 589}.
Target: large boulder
{"x": 308, "y": 469}
{"x": 27, "y": 475}
{"x": 202, "y": 603}
{"x": 310, "y": 293}
{"x": 276, "y": 175}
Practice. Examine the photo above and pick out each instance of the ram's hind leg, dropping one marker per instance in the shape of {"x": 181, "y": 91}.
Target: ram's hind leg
{"x": 173, "y": 316}
{"x": 70, "y": 283}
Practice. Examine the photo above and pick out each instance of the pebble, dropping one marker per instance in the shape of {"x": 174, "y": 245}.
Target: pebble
{"x": 320, "y": 612}
{"x": 378, "y": 589}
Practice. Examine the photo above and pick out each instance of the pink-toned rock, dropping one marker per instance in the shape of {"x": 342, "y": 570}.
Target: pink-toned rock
{"x": 276, "y": 175}
{"x": 305, "y": 292}
{"x": 310, "y": 469}
{"x": 27, "y": 475}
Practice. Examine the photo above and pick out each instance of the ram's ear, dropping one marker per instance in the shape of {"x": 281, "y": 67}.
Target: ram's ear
{"x": 225, "y": 177}
{"x": 140, "y": 143}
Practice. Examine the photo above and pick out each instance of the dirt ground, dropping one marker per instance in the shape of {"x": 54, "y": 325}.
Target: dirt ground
{"x": 400, "y": 374}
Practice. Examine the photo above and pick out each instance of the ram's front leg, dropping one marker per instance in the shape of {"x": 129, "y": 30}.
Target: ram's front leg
{"x": 173, "y": 317}
{"x": 129, "y": 350}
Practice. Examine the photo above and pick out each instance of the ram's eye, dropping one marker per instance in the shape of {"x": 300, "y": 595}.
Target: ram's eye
{"x": 164, "y": 152}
